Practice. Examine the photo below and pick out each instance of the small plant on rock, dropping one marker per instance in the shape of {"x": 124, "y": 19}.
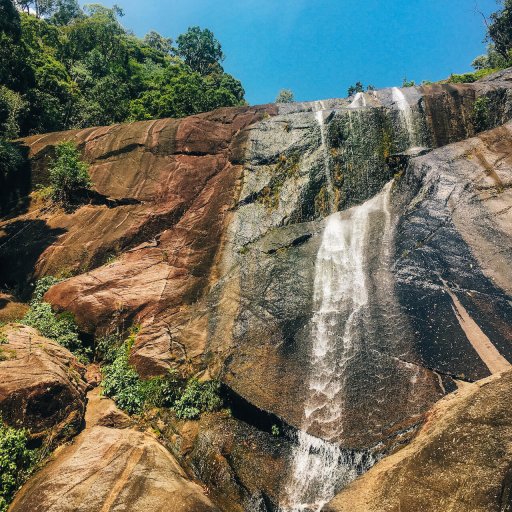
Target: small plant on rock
{"x": 481, "y": 114}
{"x": 189, "y": 399}
{"x": 198, "y": 397}
{"x": 68, "y": 174}
{"x": 60, "y": 327}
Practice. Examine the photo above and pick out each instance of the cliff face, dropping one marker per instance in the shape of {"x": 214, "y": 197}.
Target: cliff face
{"x": 218, "y": 235}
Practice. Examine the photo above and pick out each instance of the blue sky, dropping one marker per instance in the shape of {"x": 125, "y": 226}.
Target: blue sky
{"x": 318, "y": 48}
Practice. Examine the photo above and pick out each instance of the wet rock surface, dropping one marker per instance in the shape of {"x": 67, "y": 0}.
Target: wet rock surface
{"x": 205, "y": 233}
{"x": 455, "y": 235}
{"x": 459, "y": 461}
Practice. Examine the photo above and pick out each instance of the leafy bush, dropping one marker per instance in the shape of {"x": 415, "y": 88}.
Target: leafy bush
{"x": 468, "y": 78}
{"x": 481, "y": 114}
{"x": 106, "y": 347}
{"x": 60, "y": 327}
{"x": 122, "y": 383}
{"x": 68, "y": 174}
{"x": 42, "y": 286}
{"x": 197, "y": 397}
{"x": 285, "y": 96}
{"x": 16, "y": 462}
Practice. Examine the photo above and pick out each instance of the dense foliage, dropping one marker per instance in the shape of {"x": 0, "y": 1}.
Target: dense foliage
{"x": 188, "y": 399}
{"x": 16, "y": 461}
{"x": 499, "y": 49}
{"x": 60, "y": 327}
{"x": 13, "y": 183}
{"x": 500, "y": 30}
{"x": 72, "y": 67}
{"x": 68, "y": 174}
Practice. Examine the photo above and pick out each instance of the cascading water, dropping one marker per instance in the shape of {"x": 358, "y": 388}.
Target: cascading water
{"x": 319, "y": 116}
{"x": 406, "y": 114}
{"x": 320, "y": 467}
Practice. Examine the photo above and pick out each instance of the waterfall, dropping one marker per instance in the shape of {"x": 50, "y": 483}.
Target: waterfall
{"x": 358, "y": 101}
{"x": 319, "y": 116}
{"x": 406, "y": 114}
{"x": 319, "y": 466}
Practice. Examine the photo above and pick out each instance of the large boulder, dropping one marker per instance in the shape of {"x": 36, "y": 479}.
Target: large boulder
{"x": 42, "y": 386}
{"x": 111, "y": 468}
{"x": 459, "y": 461}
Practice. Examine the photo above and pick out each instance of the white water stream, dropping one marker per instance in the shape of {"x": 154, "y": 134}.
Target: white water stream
{"x": 319, "y": 116}
{"x": 319, "y": 466}
{"x": 406, "y": 114}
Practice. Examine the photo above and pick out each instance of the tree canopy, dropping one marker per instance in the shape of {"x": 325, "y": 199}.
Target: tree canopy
{"x": 500, "y": 29}
{"x": 63, "y": 66}
{"x": 285, "y": 96}
{"x": 200, "y": 50}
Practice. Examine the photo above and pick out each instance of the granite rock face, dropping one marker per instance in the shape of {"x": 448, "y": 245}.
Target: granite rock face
{"x": 42, "y": 385}
{"x": 459, "y": 461}
{"x": 111, "y": 468}
{"x": 205, "y": 232}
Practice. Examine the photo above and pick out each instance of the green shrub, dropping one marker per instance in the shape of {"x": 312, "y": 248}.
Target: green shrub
{"x": 42, "y": 286}
{"x": 68, "y": 174}
{"x": 122, "y": 383}
{"x": 16, "y": 462}
{"x": 481, "y": 114}
{"x": 468, "y": 78}
{"x": 285, "y": 96}
{"x": 105, "y": 349}
{"x": 198, "y": 397}
{"x": 60, "y": 327}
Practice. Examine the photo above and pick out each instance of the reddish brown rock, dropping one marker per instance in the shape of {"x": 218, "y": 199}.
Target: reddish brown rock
{"x": 111, "y": 468}
{"x": 10, "y": 309}
{"x": 163, "y": 190}
{"x": 42, "y": 385}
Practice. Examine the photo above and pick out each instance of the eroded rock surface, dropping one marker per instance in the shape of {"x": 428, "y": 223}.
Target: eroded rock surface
{"x": 111, "y": 468}
{"x": 459, "y": 461}
{"x": 42, "y": 386}
{"x": 205, "y": 233}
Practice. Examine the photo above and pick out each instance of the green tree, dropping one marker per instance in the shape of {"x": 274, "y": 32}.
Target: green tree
{"x": 500, "y": 29}
{"x": 9, "y": 18}
{"x": 160, "y": 43}
{"x": 66, "y": 11}
{"x": 354, "y": 89}
{"x": 68, "y": 174}
{"x": 199, "y": 49}
{"x": 73, "y": 68}
{"x": 285, "y": 96}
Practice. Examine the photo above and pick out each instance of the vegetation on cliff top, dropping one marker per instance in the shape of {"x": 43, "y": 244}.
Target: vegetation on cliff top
{"x": 71, "y": 67}
{"x": 499, "y": 49}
